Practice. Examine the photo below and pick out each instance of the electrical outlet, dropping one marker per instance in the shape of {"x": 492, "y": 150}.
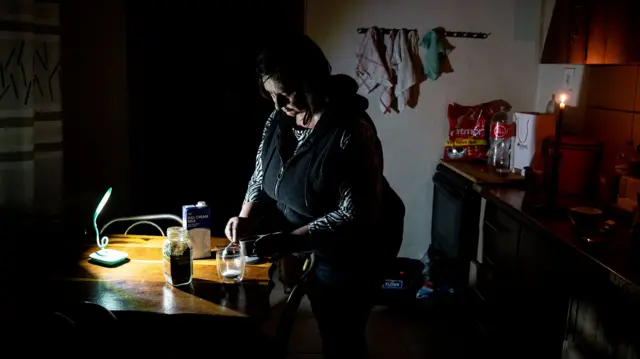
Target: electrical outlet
{"x": 567, "y": 83}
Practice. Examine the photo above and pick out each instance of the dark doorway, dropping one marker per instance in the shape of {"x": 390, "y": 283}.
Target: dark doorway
{"x": 196, "y": 113}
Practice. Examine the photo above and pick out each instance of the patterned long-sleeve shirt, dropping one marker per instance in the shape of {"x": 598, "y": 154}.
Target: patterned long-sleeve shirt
{"x": 359, "y": 192}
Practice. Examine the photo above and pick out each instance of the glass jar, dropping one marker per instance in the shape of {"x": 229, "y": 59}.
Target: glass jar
{"x": 177, "y": 257}
{"x": 231, "y": 261}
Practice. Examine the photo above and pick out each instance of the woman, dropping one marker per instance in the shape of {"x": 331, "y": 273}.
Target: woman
{"x": 319, "y": 164}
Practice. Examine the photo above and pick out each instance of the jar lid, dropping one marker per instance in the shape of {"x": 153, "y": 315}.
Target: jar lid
{"x": 176, "y": 232}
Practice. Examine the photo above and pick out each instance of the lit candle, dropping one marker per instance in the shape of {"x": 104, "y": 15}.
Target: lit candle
{"x": 563, "y": 99}
{"x": 555, "y": 169}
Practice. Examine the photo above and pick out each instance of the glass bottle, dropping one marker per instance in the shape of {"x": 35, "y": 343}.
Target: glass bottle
{"x": 552, "y": 105}
{"x": 500, "y": 143}
{"x": 177, "y": 257}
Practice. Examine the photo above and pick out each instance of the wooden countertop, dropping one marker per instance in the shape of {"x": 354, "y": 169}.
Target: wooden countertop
{"x": 477, "y": 173}
{"x": 139, "y": 284}
{"x": 614, "y": 255}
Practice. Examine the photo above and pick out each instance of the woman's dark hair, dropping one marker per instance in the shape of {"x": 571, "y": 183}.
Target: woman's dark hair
{"x": 298, "y": 63}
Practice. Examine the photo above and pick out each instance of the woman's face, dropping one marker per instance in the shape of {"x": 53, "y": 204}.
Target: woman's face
{"x": 290, "y": 101}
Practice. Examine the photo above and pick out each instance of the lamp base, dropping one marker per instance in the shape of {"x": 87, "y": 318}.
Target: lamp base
{"x": 109, "y": 257}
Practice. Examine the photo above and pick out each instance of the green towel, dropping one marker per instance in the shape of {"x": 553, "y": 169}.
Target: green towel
{"x": 436, "y": 54}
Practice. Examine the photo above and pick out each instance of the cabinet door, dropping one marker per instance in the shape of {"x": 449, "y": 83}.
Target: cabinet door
{"x": 566, "y": 40}
{"x": 614, "y": 32}
{"x": 500, "y": 247}
{"x": 541, "y": 261}
{"x": 623, "y": 32}
{"x": 496, "y": 308}
{"x": 500, "y": 235}
{"x": 603, "y": 323}
{"x": 542, "y": 292}
{"x": 597, "y": 44}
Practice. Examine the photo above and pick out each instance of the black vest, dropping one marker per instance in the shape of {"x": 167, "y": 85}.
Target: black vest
{"x": 305, "y": 186}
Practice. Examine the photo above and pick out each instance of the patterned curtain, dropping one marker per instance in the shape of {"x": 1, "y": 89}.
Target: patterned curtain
{"x": 30, "y": 108}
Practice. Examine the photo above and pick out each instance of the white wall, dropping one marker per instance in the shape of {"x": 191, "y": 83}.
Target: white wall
{"x": 551, "y": 81}
{"x": 503, "y": 66}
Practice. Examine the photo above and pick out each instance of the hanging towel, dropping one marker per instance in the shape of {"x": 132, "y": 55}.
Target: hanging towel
{"x": 408, "y": 69}
{"x": 389, "y": 42}
{"x": 372, "y": 68}
{"x": 437, "y": 50}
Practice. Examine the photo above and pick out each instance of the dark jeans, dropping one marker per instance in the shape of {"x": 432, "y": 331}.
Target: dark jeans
{"x": 341, "y": 301}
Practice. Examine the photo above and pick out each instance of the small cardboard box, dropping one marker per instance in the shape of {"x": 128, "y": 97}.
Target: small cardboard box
{"x": 197, "y": 220}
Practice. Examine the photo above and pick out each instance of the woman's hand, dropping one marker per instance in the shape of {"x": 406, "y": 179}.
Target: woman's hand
{"x": 237, "y": 227}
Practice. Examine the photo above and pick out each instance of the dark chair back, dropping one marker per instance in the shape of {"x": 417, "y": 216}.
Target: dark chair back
{"x": 288, "y": 316}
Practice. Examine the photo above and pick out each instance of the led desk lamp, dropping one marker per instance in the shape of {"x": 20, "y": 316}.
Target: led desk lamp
{"x": 105, "y": 256}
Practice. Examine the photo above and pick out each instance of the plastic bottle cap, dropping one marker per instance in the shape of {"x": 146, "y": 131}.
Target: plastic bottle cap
{"x": 201, "y": 204}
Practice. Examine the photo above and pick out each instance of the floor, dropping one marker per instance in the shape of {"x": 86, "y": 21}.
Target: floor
{"x": 429, "y": 330}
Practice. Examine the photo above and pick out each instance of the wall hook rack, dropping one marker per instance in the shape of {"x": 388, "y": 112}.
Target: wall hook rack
{"x": 446, "y": 33}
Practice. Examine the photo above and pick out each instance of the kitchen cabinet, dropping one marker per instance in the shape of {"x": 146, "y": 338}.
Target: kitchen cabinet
{"x": 593, "y": 32}
{"x": 500, "y": 237}
{"x": 542, "y": 290}
{"x": 521, "y": 302}
{"x": 538, "y": 297}
{"x": 603, "y": 322}
{"x": 614, "y": 32}
{"x": 566, "y": 41}
{"x": 603, "y": 314}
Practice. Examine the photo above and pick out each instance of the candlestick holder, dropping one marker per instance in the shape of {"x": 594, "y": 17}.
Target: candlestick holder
{"x": 550, "y": 208}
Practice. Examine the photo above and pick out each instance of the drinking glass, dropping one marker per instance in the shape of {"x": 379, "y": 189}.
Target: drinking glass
{"x": 231, "y": 263}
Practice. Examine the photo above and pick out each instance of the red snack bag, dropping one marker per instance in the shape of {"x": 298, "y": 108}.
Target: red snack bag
{"x": 467, "y": 139}
{"x": 467, "y": 130}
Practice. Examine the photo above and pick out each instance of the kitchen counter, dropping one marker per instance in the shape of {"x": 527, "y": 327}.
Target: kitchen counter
{"x": 535, "y": 284}
{"x": 615, "y": 255}
{"x": 478, "y": 173}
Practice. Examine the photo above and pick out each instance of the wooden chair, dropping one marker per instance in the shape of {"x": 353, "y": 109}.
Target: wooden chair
{"x": 287, "y": 318}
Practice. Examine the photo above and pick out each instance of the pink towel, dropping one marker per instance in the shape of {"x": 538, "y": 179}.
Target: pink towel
{"x": 407, "y": 67}
{"x": 372, "y": 69}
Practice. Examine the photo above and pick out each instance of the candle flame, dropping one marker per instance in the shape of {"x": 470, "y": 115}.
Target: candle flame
{"x": 563, "y": 98}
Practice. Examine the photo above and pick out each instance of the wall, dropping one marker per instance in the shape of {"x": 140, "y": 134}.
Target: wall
{"x": 503, "y": 66}
{"x": 551, "y": 81}
{"x": 613, "y": 109}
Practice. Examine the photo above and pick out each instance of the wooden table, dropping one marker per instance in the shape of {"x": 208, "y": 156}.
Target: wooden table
{"x": 139, "y": 284}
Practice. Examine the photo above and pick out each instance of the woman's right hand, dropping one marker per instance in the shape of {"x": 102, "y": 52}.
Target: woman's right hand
{"x": 237, "y": 227}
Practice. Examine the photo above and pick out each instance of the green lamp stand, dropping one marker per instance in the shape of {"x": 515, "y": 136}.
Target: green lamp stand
{"x": 105, "y": 256}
